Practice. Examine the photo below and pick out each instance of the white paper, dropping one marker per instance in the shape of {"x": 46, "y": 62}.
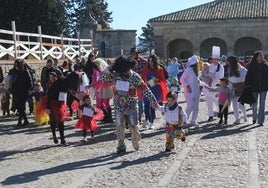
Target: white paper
{"x": 88, "y": 112}
{"x": 172, "y": 116}
{"x": 175, "y": 89}
{"x": 62, "y": 96}
{"x": 122, "y": 85}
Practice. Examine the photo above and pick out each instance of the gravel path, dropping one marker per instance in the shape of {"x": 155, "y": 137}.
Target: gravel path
{"x": 211, "y": 156}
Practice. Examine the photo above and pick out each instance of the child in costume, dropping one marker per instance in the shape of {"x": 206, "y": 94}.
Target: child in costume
{"x": 225, "y": 95}
{"x": 40, "y": 100}
{"x": 88, "y": 119}
{"x": 174, "y": 85}
{"x": 175, "y": 118}
{"x": 104, "y": 91}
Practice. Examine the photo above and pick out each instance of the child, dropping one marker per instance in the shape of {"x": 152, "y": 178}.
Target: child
{"x": 40, "y": 100}
{"x": 175, "y": 118}
{"x": 174, "y": 85}
{"x": 88, "y": 119}
{"x": 224, "y": 97}
{"x": 5, "y": 101}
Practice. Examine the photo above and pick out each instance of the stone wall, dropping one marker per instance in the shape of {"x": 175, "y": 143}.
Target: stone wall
{"x": 197, "y": 32}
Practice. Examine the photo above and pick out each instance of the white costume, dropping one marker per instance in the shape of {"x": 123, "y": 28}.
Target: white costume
{"x": 235, "y": 103}
{"x": 190, "y": 80}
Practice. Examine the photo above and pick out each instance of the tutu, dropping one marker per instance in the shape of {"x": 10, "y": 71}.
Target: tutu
{"x": 40, "y": 114}
{"x": 58, "y": 111}
{"x": 89, "y": 123}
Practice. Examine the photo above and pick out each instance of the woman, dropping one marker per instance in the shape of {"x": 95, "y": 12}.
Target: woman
{"x": 21, "y": 87}
{"x": 154, "y": 76}
{"x": 237, "y": 75}
{"x": 191, "y": 85}
{"x": 56, "y": 105}
{"x": 257, "y": 80}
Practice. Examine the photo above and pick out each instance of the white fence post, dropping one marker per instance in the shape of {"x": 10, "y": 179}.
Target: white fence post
{"x": 40, "y": 41}
{"x": 62, "y": 47}
{"x": 79, "y": 43}
{"x": 14, "y": 38}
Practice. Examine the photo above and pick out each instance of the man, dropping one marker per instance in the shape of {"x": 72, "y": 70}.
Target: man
{"x": 216, "y": 72}
{"x": 45, "y": 73}
{"x": 141, "y": 63}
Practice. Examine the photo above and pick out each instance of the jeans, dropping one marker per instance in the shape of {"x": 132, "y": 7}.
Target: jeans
{"x": 260, "y": 115}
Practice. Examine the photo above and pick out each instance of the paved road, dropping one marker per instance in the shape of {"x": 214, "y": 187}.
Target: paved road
{"x": 212, "y": 156}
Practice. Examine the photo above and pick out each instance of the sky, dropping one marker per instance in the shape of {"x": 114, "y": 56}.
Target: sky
{"x": 134, "y": 14}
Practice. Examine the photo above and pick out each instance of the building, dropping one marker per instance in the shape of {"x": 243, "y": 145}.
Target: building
{"x": 239, "y": 27}
{"x": 110, "y": 43}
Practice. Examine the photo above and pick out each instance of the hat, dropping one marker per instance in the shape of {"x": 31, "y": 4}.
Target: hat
{"x": 134, "y": 50}
{"x": 223, "y": 58}
{"x": 193, "y": 60}
{"x": 216, "y": 51}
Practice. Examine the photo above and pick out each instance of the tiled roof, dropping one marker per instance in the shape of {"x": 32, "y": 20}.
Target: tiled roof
{"x": 219, "y": 10}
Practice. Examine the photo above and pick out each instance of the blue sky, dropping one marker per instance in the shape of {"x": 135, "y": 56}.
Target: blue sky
{"x": 134, "y": 14}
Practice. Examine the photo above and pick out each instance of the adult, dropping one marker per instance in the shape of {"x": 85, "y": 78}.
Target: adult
{"x": 154, "y": 76}
{"x": 216, "y": 72}
{"x": 257, "y": 80}
{"x": 191, "y": 86}
{"x": 127, "y": 82}
{"x": 236, "y": 78}
{"x": 56, "y": 105}
{"x": 46, "y": 70}
{"x": 90, "y": 66}
{"x": 20, "y": 89}
{"x": 1, "y": 75}
{"x": 141, "y": 64}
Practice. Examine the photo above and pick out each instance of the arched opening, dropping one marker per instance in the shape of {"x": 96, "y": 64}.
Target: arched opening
{"x": 180, "y": 48}
{"x": 206, "y": 47}
{"x": 246, "y": 46}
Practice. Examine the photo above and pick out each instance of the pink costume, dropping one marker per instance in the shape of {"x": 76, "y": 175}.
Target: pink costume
{"x": 103, "y": 91}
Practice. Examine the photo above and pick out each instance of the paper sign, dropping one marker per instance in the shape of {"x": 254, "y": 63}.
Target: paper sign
{"x": 175, "y": 89}
{"x": 151, "y": 82}
{"x": 62, "y": 96}
{"x": 88, "y": 112}
{"x": 122, "y": 85}
{"x": 172, "y": 116}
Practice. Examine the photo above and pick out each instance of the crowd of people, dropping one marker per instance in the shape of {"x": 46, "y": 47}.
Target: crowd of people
{"x": 138, "y": 86}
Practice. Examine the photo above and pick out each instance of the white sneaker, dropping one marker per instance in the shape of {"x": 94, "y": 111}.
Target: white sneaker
{"x": 144, "y": 124}
{"x": 237, "y": 122}
{"x": 151, "y": 126}
{"x": 84, "y": 139}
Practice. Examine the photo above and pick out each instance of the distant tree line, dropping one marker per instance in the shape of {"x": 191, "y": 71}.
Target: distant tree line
{"x": 54, "y": 16}
{"x": 62, "y": 16}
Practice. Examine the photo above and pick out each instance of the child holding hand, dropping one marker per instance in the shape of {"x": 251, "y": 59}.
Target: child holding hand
{"x": 87, "y": 122}
{"x": 175, "y": 118}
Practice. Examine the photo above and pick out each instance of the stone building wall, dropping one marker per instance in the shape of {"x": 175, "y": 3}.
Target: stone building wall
{"x": 229, "y": 31}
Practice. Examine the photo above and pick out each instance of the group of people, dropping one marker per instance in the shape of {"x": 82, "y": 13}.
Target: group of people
{"x": 138, "y": 87}
{"x": 222, "y": 85}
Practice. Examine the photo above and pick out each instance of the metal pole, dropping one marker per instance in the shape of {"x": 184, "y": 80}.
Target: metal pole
{"x": 14, "y": 38}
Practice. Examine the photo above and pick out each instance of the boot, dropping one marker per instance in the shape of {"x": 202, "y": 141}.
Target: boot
{"x": 53, "y": 130}
{"x": 19, "y": 124}
{"x": 61, "y": 129}
{"x": 110, "y": 117}
{"x": 26, "y": 122}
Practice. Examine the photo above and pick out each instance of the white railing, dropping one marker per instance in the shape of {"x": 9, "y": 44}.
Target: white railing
{"x": 40, "y": 46}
